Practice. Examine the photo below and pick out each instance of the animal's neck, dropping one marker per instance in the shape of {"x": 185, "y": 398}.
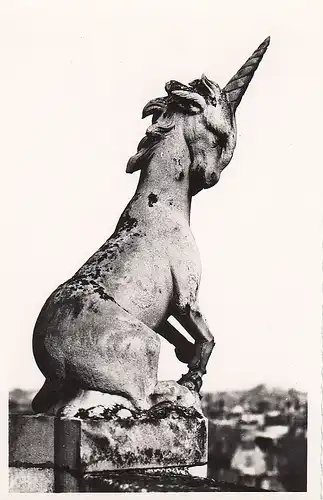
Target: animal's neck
{"x": 166, "y": 178}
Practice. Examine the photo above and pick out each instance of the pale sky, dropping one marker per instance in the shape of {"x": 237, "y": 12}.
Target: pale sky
{"x": 77, "y": 75}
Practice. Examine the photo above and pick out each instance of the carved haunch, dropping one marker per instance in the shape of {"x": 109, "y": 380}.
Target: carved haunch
{"x": 97, "y": 338}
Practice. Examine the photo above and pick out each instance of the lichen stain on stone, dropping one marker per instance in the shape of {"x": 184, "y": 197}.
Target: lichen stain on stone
{"x": 130, "y": 223}
{"x": 120, "y": 241}
{"x": 138, "y": 480}
{"x": 153, "y": 415}
{"x": 173, "y": 442}
{"x": 149, "y": 452}
{"x": 152, "y": 199}
{"x": 74, "y": 304}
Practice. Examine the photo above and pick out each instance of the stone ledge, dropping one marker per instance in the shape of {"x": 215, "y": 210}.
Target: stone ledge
{"x": 118, "y": 439}
{"x": 76, "y": 454}
{"x": 167, "y": 436}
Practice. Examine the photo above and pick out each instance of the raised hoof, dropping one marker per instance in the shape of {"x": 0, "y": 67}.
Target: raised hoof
{"x": 191, "y": 380}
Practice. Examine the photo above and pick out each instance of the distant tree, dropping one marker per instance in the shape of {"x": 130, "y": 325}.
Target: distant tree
{"x": 292, "y": 461}
{"x": 297, "y": 404}
{"x": 292, "y": 394}
{"x": 263, "y": 406}
{"x": 221, "y": 404}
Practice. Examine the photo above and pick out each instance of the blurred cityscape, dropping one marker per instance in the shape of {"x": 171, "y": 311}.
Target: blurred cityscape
{"x": 257, "y": 437}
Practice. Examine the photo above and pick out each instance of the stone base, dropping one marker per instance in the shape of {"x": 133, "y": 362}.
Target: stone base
{"x": 136, "y": 481}
{"x": 165, "y": 436}
{"x": 63, "y": 452}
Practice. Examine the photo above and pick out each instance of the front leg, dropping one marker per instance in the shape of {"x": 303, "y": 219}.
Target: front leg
{"x": 184, "y": 350}
{"x": 192, "y": 320}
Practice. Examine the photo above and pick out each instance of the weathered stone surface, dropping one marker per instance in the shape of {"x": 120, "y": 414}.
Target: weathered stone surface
{"x": 161, "y": 437}
{"x": 140, "y": 481}
{"x": 118, "y": 451}
{"x": 67, "y": 455}
{"x": 167, "y": 435}
{"x": 99, "y": 331}
{"x": 31, "y": 480}
{"x": 39, "y": 451}
{"x": 31, "y": 440}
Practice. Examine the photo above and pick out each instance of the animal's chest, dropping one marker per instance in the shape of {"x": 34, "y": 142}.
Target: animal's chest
{"x": 185, "y": 264}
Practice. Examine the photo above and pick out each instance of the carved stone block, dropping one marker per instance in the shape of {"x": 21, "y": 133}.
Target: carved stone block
{"x": 31, "y": 480}
{"x": 167, "y": 436}
{"x": 60, "y": 452}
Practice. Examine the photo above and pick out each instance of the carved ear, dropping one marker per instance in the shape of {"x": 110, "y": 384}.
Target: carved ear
{"x": 189, "y": 101}
{"x": 182, "y": 96}
{"x": 210, "y": 90}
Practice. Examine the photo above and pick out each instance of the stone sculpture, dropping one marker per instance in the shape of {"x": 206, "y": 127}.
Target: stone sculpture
{"x": 96, "y": 339}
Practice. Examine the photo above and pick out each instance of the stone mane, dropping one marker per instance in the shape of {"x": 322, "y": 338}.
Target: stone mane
{"x": 186, "y": 99}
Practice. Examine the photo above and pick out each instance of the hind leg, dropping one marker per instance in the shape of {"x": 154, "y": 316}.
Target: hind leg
{"x": 97, "y": 358}
{"x": 65, "y": 401}
{"x": 93, "y": 401}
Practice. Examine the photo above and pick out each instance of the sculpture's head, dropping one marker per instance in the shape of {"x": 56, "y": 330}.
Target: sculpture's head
{"x": 206, "y": 115}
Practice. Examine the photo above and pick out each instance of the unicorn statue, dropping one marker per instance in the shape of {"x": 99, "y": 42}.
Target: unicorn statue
{"x": 97, "y": 337}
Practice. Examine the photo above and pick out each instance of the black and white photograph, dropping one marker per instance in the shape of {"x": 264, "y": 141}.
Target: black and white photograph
{"x": 162, "y": 237}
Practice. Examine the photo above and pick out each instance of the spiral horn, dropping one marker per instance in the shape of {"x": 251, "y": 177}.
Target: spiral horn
{"x": 238, "y": 84}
